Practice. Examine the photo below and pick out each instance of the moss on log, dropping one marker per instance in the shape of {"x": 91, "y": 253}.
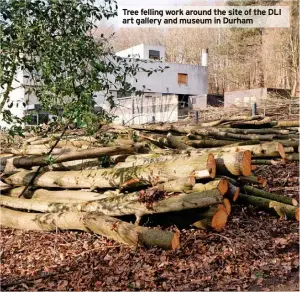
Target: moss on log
{"x": 275, "y": 197}
{"x": 280, "y": 209}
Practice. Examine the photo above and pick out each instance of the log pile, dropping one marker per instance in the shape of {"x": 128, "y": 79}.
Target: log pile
{"x": 185, "y": 175}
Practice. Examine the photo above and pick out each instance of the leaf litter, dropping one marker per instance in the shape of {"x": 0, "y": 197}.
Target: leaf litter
{"x": 255, "y": 251}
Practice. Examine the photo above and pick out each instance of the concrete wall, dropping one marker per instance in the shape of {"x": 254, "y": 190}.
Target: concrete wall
{"x": 145, "y": 109}
{"x": 167, "y": 81}
{"x": 244, "y": 97}
{"x": 142, "y": 52}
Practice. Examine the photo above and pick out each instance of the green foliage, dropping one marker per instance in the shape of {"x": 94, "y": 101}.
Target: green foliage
{"x": 50, "y": 160}
{"x": 53, "y": 42}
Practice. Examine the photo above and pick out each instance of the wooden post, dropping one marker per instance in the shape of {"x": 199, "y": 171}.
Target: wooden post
{"x": 253, "y": 109}
{"x": 196, "y": 116}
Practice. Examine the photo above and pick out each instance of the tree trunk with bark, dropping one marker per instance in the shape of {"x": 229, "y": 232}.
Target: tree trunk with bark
{"x": 127, "y": 204}
{"x": 280, "y": 209}
{"x": 26, "y": 162}
{"x": 263, "y": 194}
{"x": 109, "y": 227}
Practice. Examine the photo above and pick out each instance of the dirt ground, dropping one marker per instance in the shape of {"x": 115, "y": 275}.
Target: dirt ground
{"x": 255, "y": 252}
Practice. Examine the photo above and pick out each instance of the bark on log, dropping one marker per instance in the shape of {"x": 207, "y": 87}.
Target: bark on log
{"x": 233, "y": 188}
{"x": 220, "y": 184}
{"x": 122, "y": 205}
{"x": 65, "y": 195}
{"x": 293, "y": 157}
{"x": 46, "y": 179}
{"x": 179, "y": 185}
{"x": 290, "y": 143}
{"x": 38, "y": 150}
{"x": 266, "y": 161}
{"x": 208, "y": 143}
{"x": 217, "y": 133}
{"x": 256, "y": 131}
{"x": 235, "y": 163}
{"x": 92, "y": 163}
{"x": 265, "y": 122}
{"x": 175, "y": 143}
{"x": 78, "y": 155}
{"x": 272, "y": 149}
{"x": 233, "y": 192}
{"x": 280, "y": 209}
{"x": 258, "y": 180}
{"x": 200, "y": 167}
{"x": 286, "y": 124}
{"x": 112, "y": 228}
{"x": 274, "y": 197}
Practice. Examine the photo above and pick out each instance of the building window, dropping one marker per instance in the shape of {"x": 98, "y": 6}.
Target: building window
{"x": 153, "y": 54}
{"x": 182, "y": 78}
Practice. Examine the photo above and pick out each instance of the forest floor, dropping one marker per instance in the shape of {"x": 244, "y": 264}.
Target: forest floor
{"x": 255, "y": 252}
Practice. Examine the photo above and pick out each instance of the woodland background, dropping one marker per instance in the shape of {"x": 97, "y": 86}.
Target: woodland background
{"x": 238, "y": 58}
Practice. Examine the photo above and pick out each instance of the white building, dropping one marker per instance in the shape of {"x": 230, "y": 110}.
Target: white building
{"x": 183, "y": 84}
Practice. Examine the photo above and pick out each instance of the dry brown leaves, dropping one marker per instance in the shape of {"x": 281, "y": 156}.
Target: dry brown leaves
{"x": 255, "y": 252}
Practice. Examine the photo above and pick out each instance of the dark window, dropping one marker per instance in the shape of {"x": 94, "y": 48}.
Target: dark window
{"x": 182, "y": 78}
{"x": 153, "y": 54}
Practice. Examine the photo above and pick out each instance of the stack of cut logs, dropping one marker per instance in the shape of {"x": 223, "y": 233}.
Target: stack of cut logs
{"x": 184, "y": 175}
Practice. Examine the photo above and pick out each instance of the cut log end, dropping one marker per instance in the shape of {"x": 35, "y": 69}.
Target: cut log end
{"x": 219, "y": 220}
{"x": 211, "y": 165}
{"x": 227, "y": 205}
{"x": 246, "y": 163}
{"x": 236, "y": 194}
{"x": 223, "y": 186}
{"x": 281, "y": 151}
{"x": 175, "y": 242}
{"x": 297, "y": 214}
{"x": 295, "y": 202}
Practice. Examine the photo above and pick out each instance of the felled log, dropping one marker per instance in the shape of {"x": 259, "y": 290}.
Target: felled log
{"x": 214, "y": 218}
{"x": 258, "y": 180}
{"x": 22, "y": 178}
{"x": 208, "y": 143}
{"x": 234, "y": 163}
{"x": 164, "y": 141}
{"x": 286, "y": 124}
{"x": 37, "y": 150}
{"x": 292, "y": 157}
{"x": 76, "y": 155}
{"x": 280, "y": 209}
{"x": 64, "y": 195}
{"x": 179, "y": 185}
{"x": 265, "y": 122}
{"x": 271, "y": 149}
{"x": 200, "y": 167}
{"x": 256, "y": 131}
{"x": 275, "y": 197}
{"x": 127, "y": 204}
{"x": 267, "y": 161}
{"x": 112, "y": 228}
{"x": 220, "y": 184}
{"x": 290, "y": 143}
{"x": 176, "y": 143}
